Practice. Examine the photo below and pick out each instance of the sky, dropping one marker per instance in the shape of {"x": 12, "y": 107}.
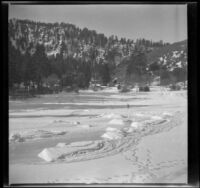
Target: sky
{"x": 152, "y": 22}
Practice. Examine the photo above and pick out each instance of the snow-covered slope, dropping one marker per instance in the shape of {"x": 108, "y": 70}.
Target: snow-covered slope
{"x": 171, "y": 56}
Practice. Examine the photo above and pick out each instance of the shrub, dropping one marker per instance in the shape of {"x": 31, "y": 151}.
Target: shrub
{"x": 45, "y": 90}
{"x": 73, "y": 88}
{"x": 144, "y": 88}
{"x": 175, "y": 87}
{"x": 119, "y": 87}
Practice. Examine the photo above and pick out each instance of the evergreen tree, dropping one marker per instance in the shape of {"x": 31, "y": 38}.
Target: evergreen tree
{"x": 105, "y": 73}
{"x": 41, "y": 65}
{"x": 137, "y": 68}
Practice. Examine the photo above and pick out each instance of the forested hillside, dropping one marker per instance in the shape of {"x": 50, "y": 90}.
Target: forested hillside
{"x": 169, "y": 63}
{"x": 63, "y": 54}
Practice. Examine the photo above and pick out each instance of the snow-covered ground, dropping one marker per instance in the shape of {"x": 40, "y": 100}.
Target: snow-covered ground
{"x": 99, "y": 137}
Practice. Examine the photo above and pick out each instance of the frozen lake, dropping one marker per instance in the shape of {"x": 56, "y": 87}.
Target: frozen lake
{"x": 124, "y": 127}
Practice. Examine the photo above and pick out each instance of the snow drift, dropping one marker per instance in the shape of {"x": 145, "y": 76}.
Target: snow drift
{"x": 110, "y": 115}
{"x": 167, "y": 114}
{"x": 112, "y": 134}
{"x": 62, "y": 150}
{"x": 156, "y": 117}
{"x": 116, "y": 122}
{"x": 34, "y": 134}
{"x": 135, "y": 124}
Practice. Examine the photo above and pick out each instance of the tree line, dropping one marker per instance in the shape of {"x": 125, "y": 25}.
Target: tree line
{"x": 140, "y": 71}
{"x": 38, "y": 71}
{"x": 20, "y": 31}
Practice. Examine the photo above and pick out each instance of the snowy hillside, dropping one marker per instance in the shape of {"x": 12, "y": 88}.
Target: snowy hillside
{"x": 78, "y": 43}
{"x": 171, "y": 57}
{"x": 168, "y": 62}
{"x": 39, "y": 52}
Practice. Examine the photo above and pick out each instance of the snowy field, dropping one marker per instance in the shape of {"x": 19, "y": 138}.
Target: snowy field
{"x": 99, "y": 137}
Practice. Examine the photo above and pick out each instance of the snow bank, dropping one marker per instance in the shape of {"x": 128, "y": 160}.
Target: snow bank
{"x": 86, "y": 110}
{"x": 166, "y": 114}
{"x": 112, "y": 134}
{"x": 44, "y": 133}
{"x": 61, "y": 145}
{"x": 85, "y": 126}
{"x": 116, "y": 122}
{"x": 34, "y": 134}
{"x": 110, "y": 115}
{"x": 50, "y": 154}
{"x": 135, "y": 125}
{"x": 73, "y": 150}
{"x": 156, "y": 118}
{"x": 42, "y": 112}
{"x": 81, "y": 144}
{"x": 111, "y": 129}
{"x": 110, "y": 89}
{"x": 139, "y": 115}
{"x": 130, "y": 130}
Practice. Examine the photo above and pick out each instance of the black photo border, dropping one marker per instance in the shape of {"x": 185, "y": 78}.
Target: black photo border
{"x": 193, "y": 68}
